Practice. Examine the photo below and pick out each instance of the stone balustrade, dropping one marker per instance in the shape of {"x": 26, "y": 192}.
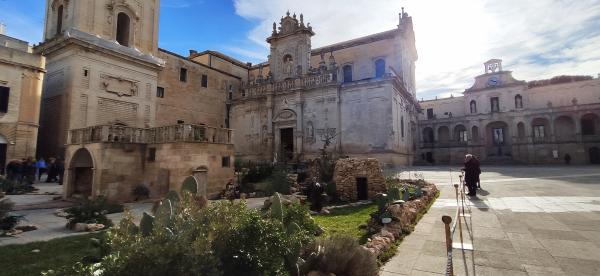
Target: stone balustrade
{"x": 264, "y": 87}
{"x": 164, "y": 134}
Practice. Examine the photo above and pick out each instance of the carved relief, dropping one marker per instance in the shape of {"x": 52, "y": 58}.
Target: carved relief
{"x": 117, "y": 85}
{"x": 286, "y": 115}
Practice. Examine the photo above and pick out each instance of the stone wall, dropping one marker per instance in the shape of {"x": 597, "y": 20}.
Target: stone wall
{"x": 348, "y": 170}
{"x": 119, "y": 167}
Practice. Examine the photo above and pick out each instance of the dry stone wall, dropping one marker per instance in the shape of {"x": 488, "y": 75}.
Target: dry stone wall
{"x": 348, "y": 170}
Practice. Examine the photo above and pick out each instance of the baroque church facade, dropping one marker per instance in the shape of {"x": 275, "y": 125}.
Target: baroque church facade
{"x": 355, "y": 98}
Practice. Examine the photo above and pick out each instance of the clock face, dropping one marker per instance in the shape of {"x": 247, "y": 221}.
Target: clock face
{"x": 493, "y": 81}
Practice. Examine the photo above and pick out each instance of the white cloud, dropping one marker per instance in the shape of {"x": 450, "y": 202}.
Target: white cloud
{"x": 536, "y": 39}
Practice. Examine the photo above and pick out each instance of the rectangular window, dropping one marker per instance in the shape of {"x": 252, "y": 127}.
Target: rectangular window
{"x": 4, "y": 93}
{"x": 204, "y": 81}
{"x": 225, "y": 162}
{"x": 538, "y": 132}
{"x": 429, "y": 113}
{"x": 183, "y": 75}
{"x": 462, "y": 136}
{"x": 160, "y": 92}
{"x": 152, "y": 154}
{"x": 85, "y": 72}
{"x": 243, "y": 93}
{"x": 495, "y": 102}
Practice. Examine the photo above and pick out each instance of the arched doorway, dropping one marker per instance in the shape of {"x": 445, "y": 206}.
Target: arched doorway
{"x": 564, "y": 129}
{"x": 443, "y": 134}
{"x": 594, "y": 155}
{"x": 81, "y": 174}
{"x": 3, "y": 147}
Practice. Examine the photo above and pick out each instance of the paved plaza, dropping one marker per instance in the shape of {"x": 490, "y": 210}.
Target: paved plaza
{"x": 527, "y": 220}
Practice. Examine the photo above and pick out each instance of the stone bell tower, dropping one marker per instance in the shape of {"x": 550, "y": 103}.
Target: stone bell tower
{"x": 290, "y": 47}
{"x": 102, "y": 67}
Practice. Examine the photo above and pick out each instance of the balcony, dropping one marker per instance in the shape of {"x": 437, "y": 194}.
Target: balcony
{"x": 263, "y": 87}
{"x": 167, "y": 134}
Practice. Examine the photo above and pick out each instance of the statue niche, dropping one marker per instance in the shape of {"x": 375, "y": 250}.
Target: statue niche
{"x": 288, "y": 64}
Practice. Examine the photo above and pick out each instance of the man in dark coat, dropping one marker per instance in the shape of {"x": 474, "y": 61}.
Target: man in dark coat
{"x": 472, "y": 172}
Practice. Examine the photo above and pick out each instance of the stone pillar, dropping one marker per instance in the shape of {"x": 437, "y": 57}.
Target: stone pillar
{"x": 299, "y": 133}
{"x": 270, "y": 147}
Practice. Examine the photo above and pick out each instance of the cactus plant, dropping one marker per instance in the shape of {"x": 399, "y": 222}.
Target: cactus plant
{"x": 277, "y": 207}
{"x": 146, "y": 224}
{"x": 405, "y": 195}
{"x": 394, "y": 194}
{"x": 190, "y": 185}
{"x": 418, "y": 192}
{"x": 382, "y": 201}
{"x": 173, "y": 196}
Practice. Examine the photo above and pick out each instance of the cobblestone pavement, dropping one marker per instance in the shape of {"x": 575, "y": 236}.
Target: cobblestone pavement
{"x": 527, "y": 220}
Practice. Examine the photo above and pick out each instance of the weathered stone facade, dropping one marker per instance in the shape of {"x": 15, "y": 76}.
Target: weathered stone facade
{"x": 113, "y": 160}
{"x": 21, "y": 75}
{"x": 358, "y": 179}
{"x": 358, "y": 95}
{"x": 503, "y": 120}
{"x": 109, "y": 86}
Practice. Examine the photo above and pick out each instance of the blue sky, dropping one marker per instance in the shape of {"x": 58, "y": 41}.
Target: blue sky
{"x": 535, "y": 39}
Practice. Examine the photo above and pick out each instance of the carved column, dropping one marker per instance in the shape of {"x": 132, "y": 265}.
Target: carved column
{"x": 299, "y": 126}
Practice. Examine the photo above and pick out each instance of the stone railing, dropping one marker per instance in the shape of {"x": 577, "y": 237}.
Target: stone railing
{"x": 166, "y": 134}
{"x": 264, "y": 87}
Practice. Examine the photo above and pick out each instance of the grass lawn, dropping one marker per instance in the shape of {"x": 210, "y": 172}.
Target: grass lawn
{"x": 348, "y": 220}
{"x": 19, "y": 260}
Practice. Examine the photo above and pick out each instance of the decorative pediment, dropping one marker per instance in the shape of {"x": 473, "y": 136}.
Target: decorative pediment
{"x": 57, "y": 3}
{"x": 120, "y": 86}
{"x": 285, "y": 115}
{"x": 123, "y": 5}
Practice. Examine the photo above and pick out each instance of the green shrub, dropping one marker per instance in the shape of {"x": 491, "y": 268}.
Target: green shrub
{"x": 278, "y": 182}
{"x": 92, "y": 211}
{"x": 5, "y": 206}
{"x": 14, "y": 188}
{"x": 225, "y": 238}
{"x": 340, "y": 255}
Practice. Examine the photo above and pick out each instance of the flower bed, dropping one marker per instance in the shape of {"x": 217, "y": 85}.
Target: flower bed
{"x": 403, "y": 218}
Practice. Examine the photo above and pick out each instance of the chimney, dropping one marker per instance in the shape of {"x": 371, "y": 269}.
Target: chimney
{"x": 2, "y": 28}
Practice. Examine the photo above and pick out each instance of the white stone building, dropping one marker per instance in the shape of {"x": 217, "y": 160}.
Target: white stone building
{"x": 503, "y": 120}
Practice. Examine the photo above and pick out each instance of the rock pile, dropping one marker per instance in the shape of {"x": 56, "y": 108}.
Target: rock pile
{"x": 403, "y": 218}
{"x": 349, "y": 169}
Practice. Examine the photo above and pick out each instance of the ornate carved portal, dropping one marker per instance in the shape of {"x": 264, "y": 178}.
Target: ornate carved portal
{"x": 120, "y": 86}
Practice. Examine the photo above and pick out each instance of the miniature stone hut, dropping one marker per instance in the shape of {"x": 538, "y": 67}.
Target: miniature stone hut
{"x": 358, "y": 179}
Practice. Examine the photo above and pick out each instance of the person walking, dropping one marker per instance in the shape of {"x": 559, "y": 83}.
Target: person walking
{"x": 60, "y": 169}
{"x": 472, "y": 172}
{"x": 51, "y": 170}
{"x": 29, "y": 169}
{"x": 41, "y": 167}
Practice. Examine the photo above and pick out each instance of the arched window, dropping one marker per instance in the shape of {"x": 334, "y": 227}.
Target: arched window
{"x": 123, "y": 27}
{"x": 379, "y": 68}
{"x": 518, "y": 101}
{"x": 473, "y": 106}
{"x": 347, "y": 69}
{"x": 59, "y": 19}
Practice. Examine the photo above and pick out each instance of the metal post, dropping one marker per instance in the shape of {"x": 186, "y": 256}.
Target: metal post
{"x": 458, "y": 217}
{"x": 449, "y": 265}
